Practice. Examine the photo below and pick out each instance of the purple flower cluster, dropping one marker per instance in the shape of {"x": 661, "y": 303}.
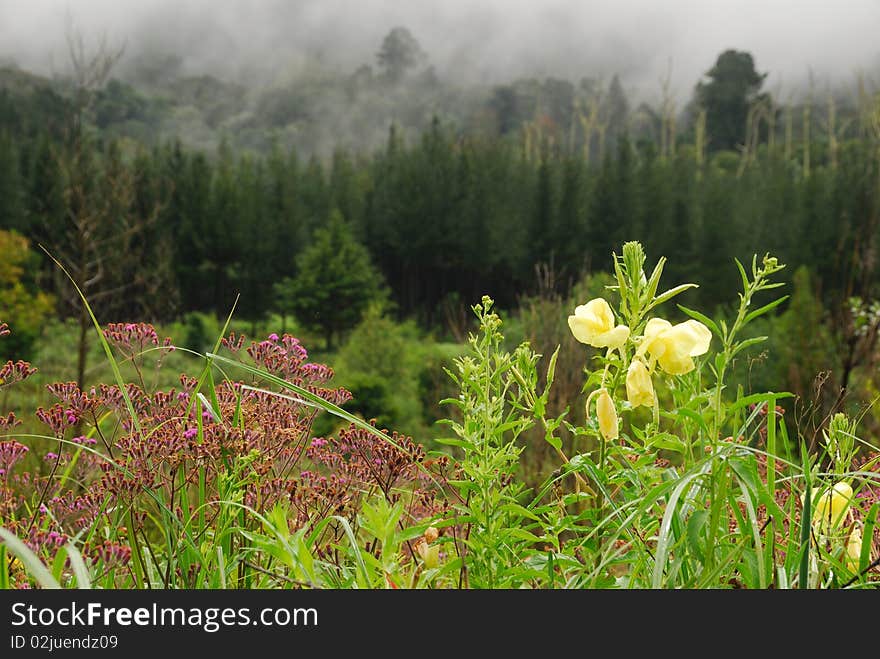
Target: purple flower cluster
{"x": 178, "y": 448}
{"x": 11, "y": 452}
{"x": 134, "y": 338}
{"x": 12, "y": 372}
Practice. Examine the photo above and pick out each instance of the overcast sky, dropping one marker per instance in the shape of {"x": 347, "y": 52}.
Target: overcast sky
{"x": 474, "y": 40}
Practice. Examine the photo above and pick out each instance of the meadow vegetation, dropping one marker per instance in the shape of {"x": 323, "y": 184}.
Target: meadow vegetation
{"x": 249, "y": 470}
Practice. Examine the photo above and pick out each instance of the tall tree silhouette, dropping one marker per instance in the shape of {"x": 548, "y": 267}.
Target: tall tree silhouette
{"x": 733, "y": 85}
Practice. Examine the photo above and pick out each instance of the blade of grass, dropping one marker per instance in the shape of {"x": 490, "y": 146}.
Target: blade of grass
{"x": 4, "y": 569}
{"x": 30, "y": 560}
{"x": 307, "y": 395}
{"x": 83, "y": 580}
{"x": 207, "y": 369}
{"x": 664, "y": 534}
{"x": 806, "y": 516}
{"x": 114, "y": 365}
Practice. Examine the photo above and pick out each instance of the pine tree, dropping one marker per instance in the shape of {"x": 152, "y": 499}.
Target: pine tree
{"x": 335, "y": 282}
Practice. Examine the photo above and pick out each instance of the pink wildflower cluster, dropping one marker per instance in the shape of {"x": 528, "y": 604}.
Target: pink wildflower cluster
{"x": 12, "y": 372}
{"x": 117, "y": 468}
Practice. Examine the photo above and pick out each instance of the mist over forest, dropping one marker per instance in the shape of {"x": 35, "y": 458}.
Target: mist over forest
{"x": 307, "y": 74}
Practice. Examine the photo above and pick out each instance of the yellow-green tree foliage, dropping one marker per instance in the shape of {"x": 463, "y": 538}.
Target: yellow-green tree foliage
{"x": 22, "y": 305}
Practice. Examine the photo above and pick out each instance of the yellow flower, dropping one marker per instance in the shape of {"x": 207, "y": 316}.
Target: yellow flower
{"x": 639, "y": 388}
{"x": 674, "y": 346}
{"x": 429, "y": 553}
{"x": 854, "y": 549}
{"x": 607, "y": 415}
{"x": 830, "y": 507}
{"x": 593, "y": 324}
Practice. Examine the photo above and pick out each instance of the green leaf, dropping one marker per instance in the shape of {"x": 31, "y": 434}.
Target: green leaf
{"x": 522, "y": 534}
{"x": 742, "y": 274}
{"x": 654, "y": 279}
{"x": 694, "y": 416}
{"x": 668, "y": 295}
{"x": 758, "y": 398}
{"x": 59, "y": 563}
{"x": 621, "y": 282}
{"x": 747, "y": 470}
{"x": 747, "y": 343}
{"x": 520, "y": 510}
{"x": 551, "y": 372}
{"x": 553, "y": 440}
{"x": 581, "y": 461}
{"x": 696, "y": 315}
{"x": 767, "y": 307}
{"x": 4, "y": 568}
{"x": 575, "y": 497}
{"x": 695, "y": 525}
{"x": 452, "y": 441}
{"x": 868, "y": 536}
{"x": 664, "y": 536}
{"x": 669, "y": 442}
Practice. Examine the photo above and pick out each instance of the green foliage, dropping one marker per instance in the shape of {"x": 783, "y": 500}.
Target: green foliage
{"x": 801, "y": 344}
{"x": 400, "y": 53}
{"x": 390, "y": 368}
{"x": 496, "y": 389}
{"x": 733, "y": 85}
{"x": 335, "y": 282}
{"x": 22, "y": 306}
{"x": 542, "y": 321}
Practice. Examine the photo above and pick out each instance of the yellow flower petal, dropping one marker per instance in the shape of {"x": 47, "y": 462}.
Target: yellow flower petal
{"x": 690, "y": 337}
{"x": 639, "y": 388}
{"x": 675, "y": 363}
{"x": 429, "y": 553}
{"x": 650, "y": 341}
{"x": 673, "y": 346}
{"x": 613, "y": 339}
{"x": 656, "y": 326}
{"x": 593, "y": 324}
{"x": 830, "y": 508}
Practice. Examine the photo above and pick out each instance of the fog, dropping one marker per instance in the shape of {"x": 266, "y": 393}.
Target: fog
{"x": 468, "y": 41}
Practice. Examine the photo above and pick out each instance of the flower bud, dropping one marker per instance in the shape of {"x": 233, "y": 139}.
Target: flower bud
{"x": 607, "y": 415}
{"x": 854, "y": 549}
{"x": 639, "y": 388}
